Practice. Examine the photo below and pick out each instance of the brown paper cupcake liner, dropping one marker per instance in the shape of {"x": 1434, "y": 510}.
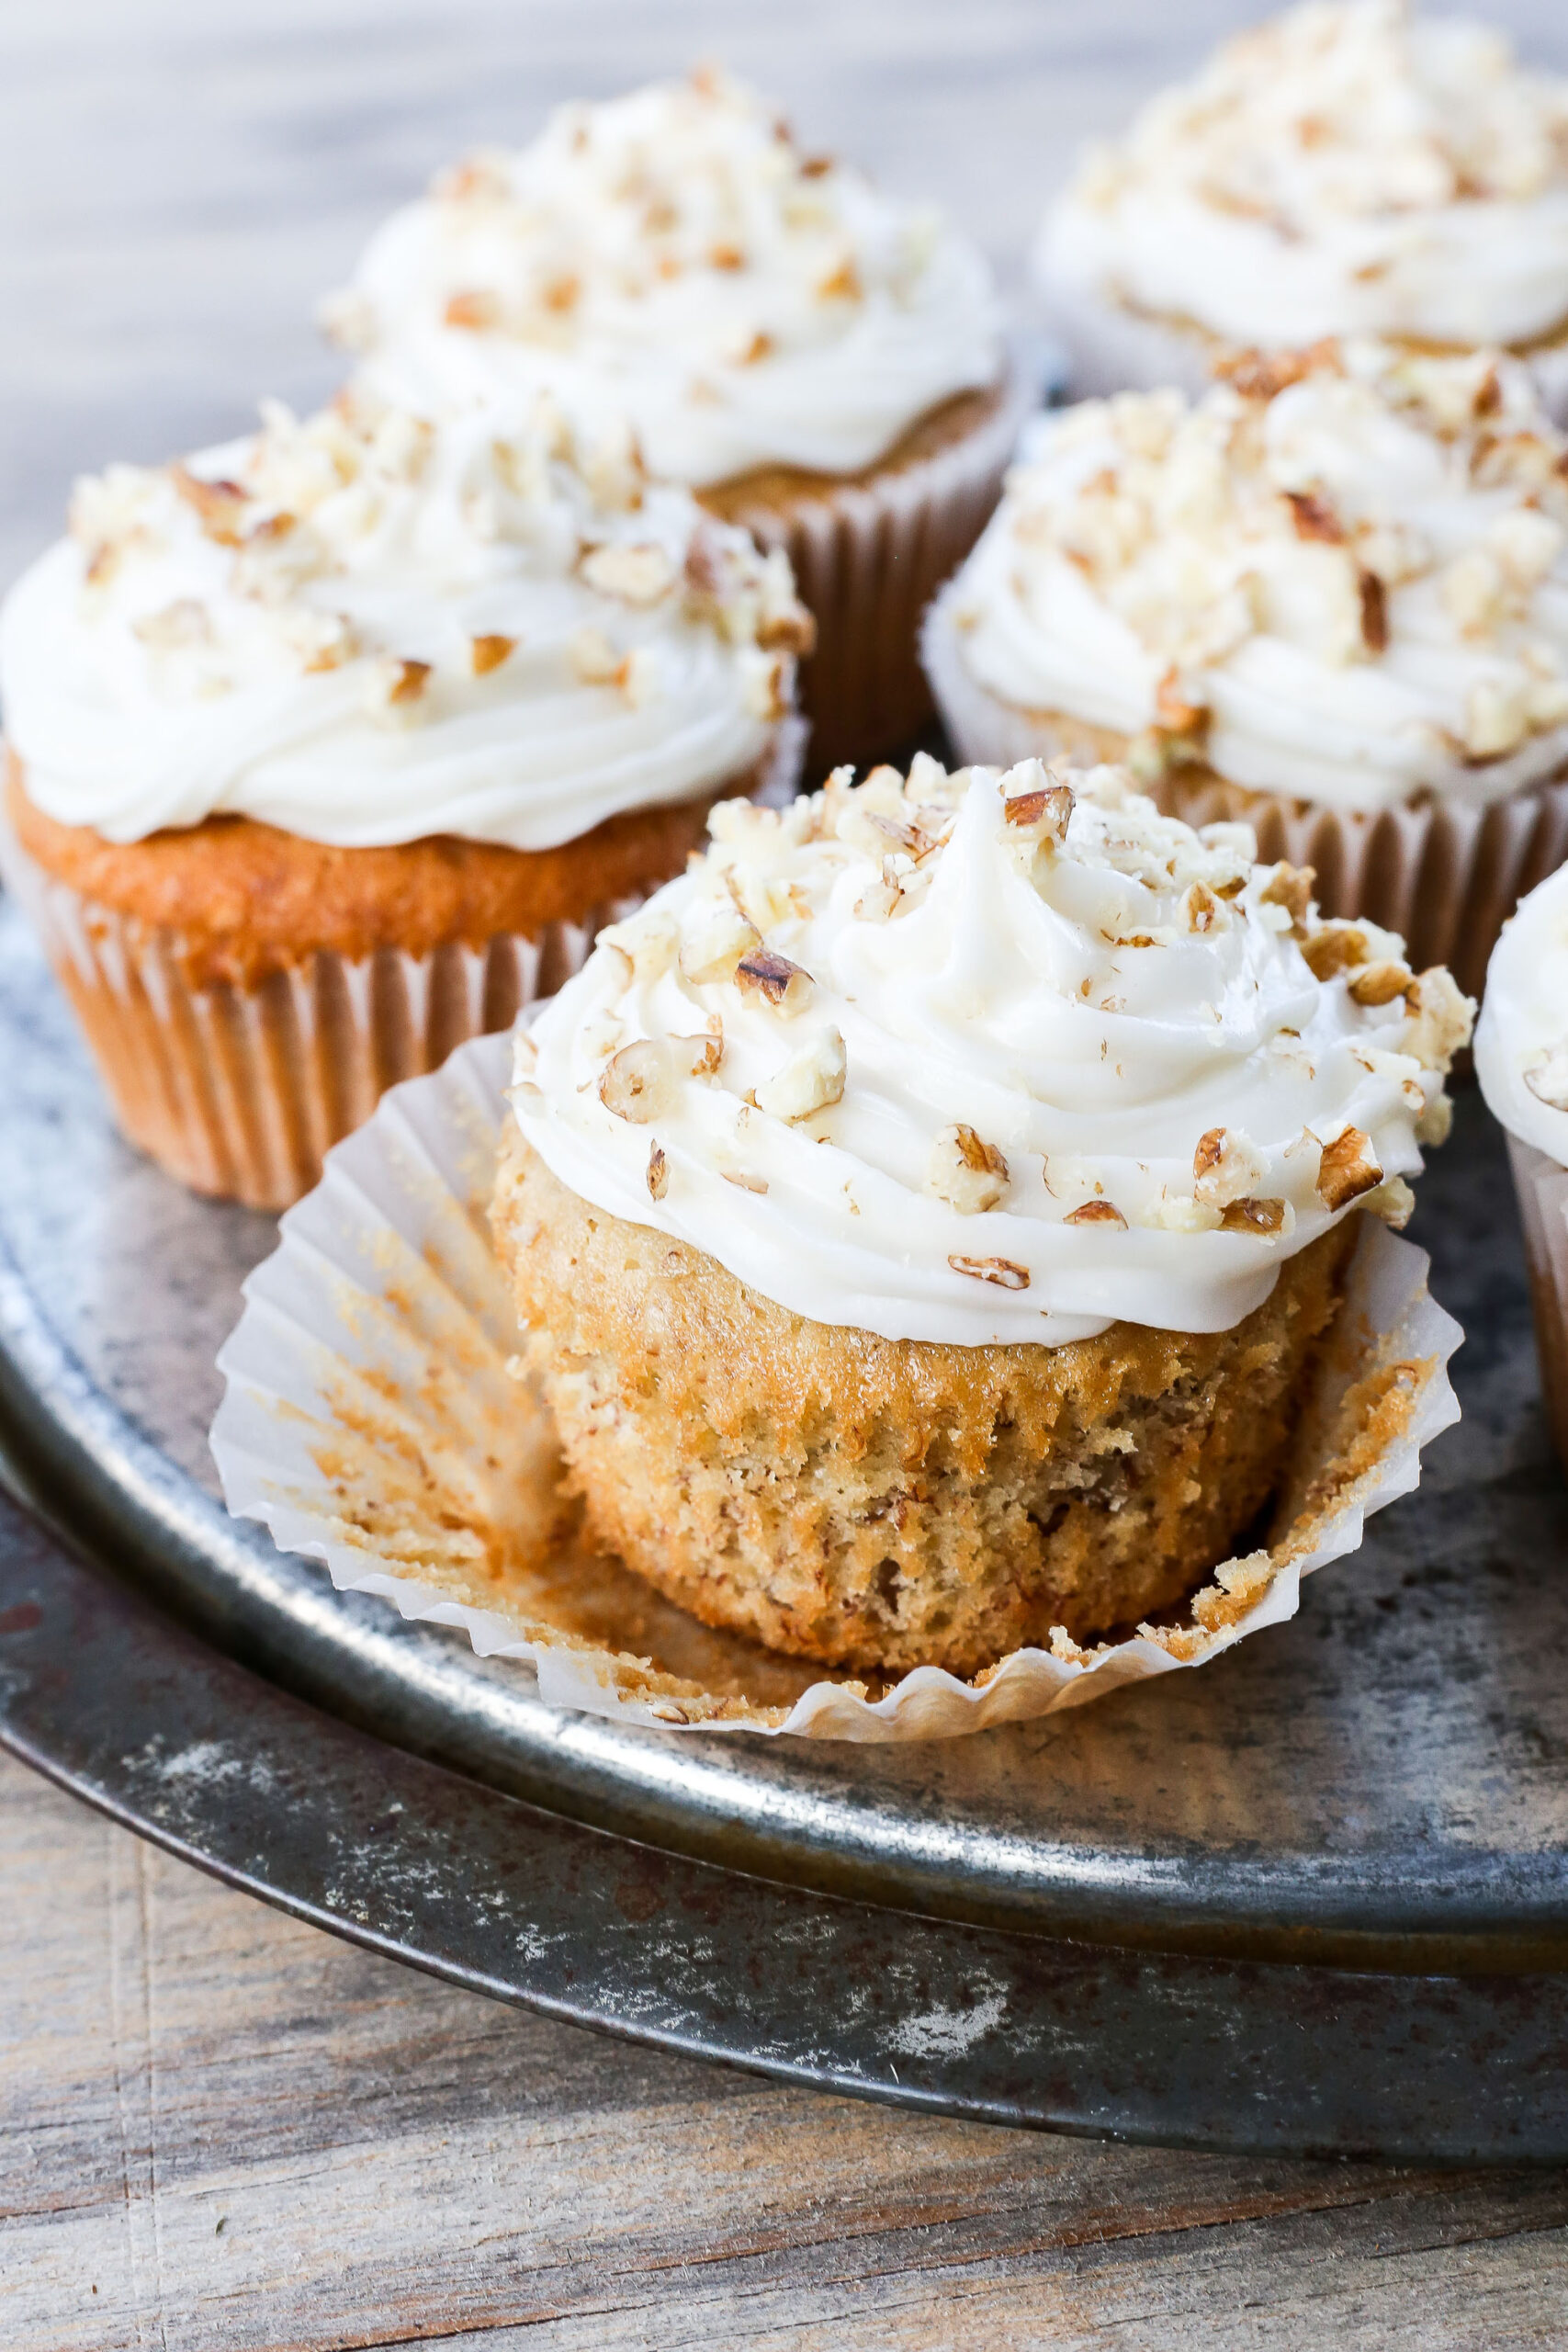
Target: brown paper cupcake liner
{"x": 868, "y": 556}
{"x": 1446, "y": 878}
{"x": 1541, "y": 1183}
{"x": 240, "y": 1091}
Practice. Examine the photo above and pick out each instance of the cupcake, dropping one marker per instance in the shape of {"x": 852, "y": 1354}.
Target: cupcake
{"x": 818, "y": 362}
{"x": 1521, "y": 1060}
{"x": 927, "y": 1213}
{"x": 1345, "y": 169}
{"x": 328, "y": 748}
{"x": 1330, "y": 597}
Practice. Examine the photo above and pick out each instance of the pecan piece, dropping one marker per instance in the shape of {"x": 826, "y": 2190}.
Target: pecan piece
{"x": 488, "y": 653}
{"x": 1252, "y": 1216}
{"x": 1000, "y": 1270}
{"x": 763, "y": 972}
{"x": 1347, "y": 1168}
{"x": 1096, "y": 1213}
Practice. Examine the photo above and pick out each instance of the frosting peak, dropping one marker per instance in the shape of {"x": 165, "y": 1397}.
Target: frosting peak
{"x": 672, "y": 257}
{"x": 979, "y": 1056}
{"x": 1341, "y": 575}
{"x": 365, "y": 628}
{"x": 1347, "y": 168}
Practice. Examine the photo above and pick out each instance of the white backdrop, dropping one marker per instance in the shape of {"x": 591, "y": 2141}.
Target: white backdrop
{"x": 179, "y": 179}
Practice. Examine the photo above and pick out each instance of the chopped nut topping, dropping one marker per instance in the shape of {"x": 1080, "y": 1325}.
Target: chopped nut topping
{"x": 638, "y": 575}
{"x": 658, "y": 1173}
{"x": 410, "y": 682}
{"x": 1314, "y": 518}
{"x": 745, "y": 1179}
{"x": 969, "y": 1175}
{"x": 1226, "y": 1168}
{"x": 219, "y": 505}
{"x": 1380, "y": 983}
{"x": 811, "y": 1081}
{"x": 488, "y": 653}
{"x": 714, "y": 947}
{"x": 1374, "y": 610}
{"x": 477, "y": 310}
{"x": 1000, "y": 1270}
{"x": 1337, "y": 947}
{"x": 1173, "y": 713}
{"x": 1096, "y": 1213}
{"x": 638, "y": 1083}
{"x": 1250, "y": 1216}
{"x": 1290, "y": 887}
{"x": 1349, "y": 1168}
{"x": 1043, "y": 813}
{"x": 763, "y": 972}
{"x": 1262, "y": 375}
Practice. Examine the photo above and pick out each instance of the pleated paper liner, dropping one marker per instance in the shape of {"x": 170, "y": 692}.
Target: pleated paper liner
{"x": 1446, "y": 878}
{"x": 240, "y": 1091}
{"x": 370, "y": 1420}
{"x": 1541, "y": 1183}
{"x": 868, "y": 556}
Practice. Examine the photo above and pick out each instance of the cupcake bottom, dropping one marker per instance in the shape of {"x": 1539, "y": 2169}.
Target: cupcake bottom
{"x": 1446, "y": 878}
{"x": 869, "y": 552}
{"x": 1114, "y": 347}
{"x": 247, "y": 995}
{"x": 1541, "y": 1183}
{"x": 888, "y": 1505}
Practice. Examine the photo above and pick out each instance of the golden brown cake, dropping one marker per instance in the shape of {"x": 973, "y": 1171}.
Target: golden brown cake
{"x": 924, "y": 1216}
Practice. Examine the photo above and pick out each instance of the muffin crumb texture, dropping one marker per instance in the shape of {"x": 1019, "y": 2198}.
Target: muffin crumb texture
{"x": 890, "y": 1505}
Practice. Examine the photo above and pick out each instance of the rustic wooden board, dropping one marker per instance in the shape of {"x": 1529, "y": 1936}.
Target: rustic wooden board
{"x": 220, "y": 2128}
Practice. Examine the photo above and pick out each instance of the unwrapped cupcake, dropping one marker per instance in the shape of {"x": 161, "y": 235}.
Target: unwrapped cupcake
{"x": 1521, "y": 1060}
{"x": 328, "y": 748}
{"x": 1348, "y": 168}
{"x": 928, "y": 1213}
{"x": 819, "y": 362}
{"x": 1330, "y": 597}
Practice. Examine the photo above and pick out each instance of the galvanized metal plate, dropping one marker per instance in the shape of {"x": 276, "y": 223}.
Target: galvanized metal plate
{"x": 1379, "y": 1782}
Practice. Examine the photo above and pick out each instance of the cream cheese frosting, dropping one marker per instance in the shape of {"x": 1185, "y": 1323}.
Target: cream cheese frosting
{"x": 989, "y": 1056}
{"x": 1346, "y": 168}
{"x": 1340, "y": 576}
{"x": 1521, "y": 1041}
{"x": 672, "y": 257}
{"x": 365, "y": 628}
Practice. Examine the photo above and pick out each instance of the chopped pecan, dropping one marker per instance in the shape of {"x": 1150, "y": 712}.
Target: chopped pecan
{"x": 1314, "y": 518}
{"x": 1374, "y": 610}
{"x": 1000, "y": 1270}
{"x": 1251, "y": 1216}
{"x": 1347, "y": 1168}
{"x": 1096, "y": 1213}
{"x": 488, "y": 651}
{"x": 763, "y": 972}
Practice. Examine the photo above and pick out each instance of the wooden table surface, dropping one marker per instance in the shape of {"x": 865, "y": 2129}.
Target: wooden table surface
{"x": 220, "y": 2128}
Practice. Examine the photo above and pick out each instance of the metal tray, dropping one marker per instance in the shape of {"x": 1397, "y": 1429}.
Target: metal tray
{"x": 1312, "y": 1897}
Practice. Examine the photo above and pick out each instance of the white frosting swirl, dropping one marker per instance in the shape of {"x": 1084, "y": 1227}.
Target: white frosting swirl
{"x": 1022, "y": 1084}
{"x": 1341, "y": 578}
{"x": 1342, "y": 170}
{"x": 672, "y": 257}
{"x": 1521, "y": 1041}
{"x": 366, "y": 630}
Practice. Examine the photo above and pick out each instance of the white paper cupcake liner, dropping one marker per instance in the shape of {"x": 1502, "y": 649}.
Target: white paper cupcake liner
{"x": 241, "y": 1091}
{"x": 1541, "y": 1183}
{"x": 370, "y": 1422}
{"x": 867, "y": 558}
{"x": 1446, "y": 878}
{"x": 1111, "y": 348}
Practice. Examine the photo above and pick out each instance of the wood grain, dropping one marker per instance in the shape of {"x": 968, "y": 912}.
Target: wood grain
{"x": 222, "y": 2129}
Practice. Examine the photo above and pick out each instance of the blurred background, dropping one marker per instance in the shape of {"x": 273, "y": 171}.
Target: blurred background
{"x": 181, "y": 179}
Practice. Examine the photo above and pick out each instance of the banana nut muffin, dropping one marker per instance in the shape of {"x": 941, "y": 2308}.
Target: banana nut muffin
{"x": 328, "y": 748}
{"x": 925, "y": 1214}
{"x": 817, "y": 360}
{"x": 1330, "y": 597}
